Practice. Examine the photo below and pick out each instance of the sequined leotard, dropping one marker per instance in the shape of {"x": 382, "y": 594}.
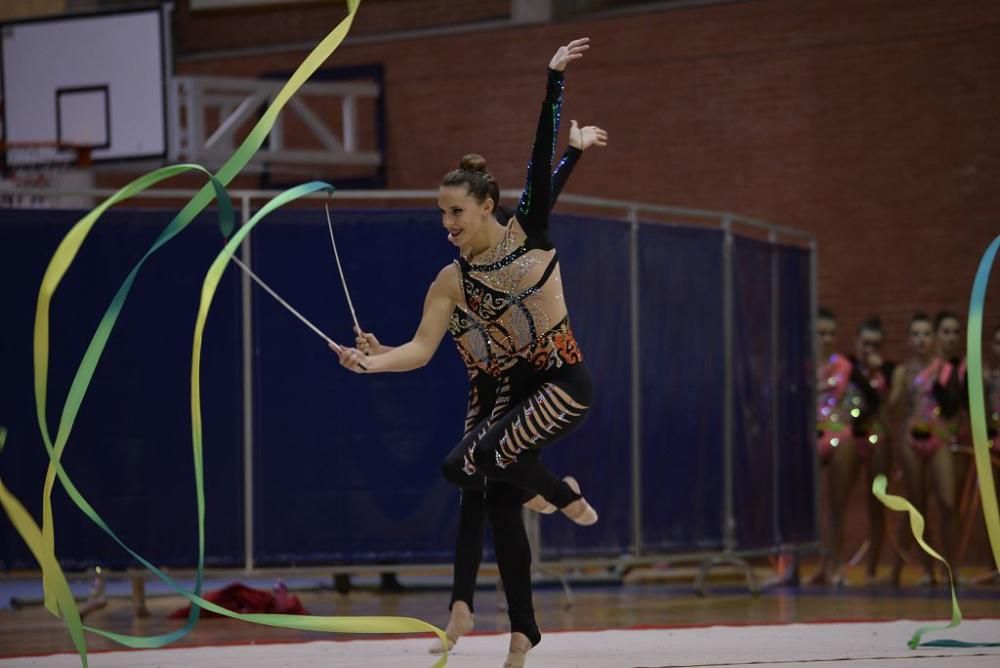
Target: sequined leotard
{"x": 481, "y": 405}
{"x": 468, "y": 335}
{"x": 512, "y": 326}
{"x": 931, "y": 403}
{"x": 832, "y": 408}
{"x": 867, "y": 390}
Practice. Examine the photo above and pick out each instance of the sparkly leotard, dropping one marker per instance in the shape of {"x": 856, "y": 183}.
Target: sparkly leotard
{"x": 483, "y": 383}
{"x": 832, "y": 406}
{"x": 481, "y": 407}
{"x": 513, "y": 309}
{"x": 928, "y": 427}
{"x": 867, "y": 389}
{"x": 512, "y": 330}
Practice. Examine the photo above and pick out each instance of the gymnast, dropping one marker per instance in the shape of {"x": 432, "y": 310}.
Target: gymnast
{"x": 503, "y": 302}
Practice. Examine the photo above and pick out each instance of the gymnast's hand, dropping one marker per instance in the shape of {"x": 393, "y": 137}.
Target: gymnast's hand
{"x": 352, "y": 359}
{"x": 569, "y": 52}
{"x": 367, "y": 343}
{"x": 585, "y": 137}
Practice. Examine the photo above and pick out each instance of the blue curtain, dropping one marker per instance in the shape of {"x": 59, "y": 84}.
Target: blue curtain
{"x": 593, "y": 255}
{"x": 346, "y": 466}
{"x": 754, "y": 424}
{"x": 682, "y": 387}
{"x": 130, "y": 452}
{"x": 796, "y": 461}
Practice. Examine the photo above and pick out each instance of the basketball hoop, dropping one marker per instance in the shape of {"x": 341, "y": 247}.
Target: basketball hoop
{"x": 29, "y": 167}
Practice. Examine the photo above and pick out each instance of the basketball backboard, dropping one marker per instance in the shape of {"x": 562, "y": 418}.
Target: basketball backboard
{"x": 94, "y": 80}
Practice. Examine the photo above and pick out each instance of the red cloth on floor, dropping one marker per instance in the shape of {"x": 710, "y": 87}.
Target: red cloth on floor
{"x": 240, "y": 598}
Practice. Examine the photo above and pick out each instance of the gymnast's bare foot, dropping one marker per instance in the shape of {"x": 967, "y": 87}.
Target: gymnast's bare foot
{"x": 540, "y": 505}
{"x": 579, "y": 511}
{"x": 461, "y": 622}
{"x": 518, "y": 650}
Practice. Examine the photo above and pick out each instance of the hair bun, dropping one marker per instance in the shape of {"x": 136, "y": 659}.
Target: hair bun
{"x": 473, "y": 162}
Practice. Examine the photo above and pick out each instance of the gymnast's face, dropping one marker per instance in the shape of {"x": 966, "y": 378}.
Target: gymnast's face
{"x": 949, "y": 338}
{"x": 868, "y": 345}
{"x": 826, "y": 330}
{"x": 921, "y": 337}
{"x": 462, "y": 215}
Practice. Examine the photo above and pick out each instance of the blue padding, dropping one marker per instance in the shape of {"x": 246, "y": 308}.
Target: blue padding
{"x": 682, "y": 387}
{"x": 796, "y": 404}
{"x": 754, "y": 455}
{"x": 348, "y": 466}
{"x": 593, "y": 255}
{"x": 130, "y": 453}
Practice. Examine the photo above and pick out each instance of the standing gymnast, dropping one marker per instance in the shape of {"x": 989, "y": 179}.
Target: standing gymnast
{"x": 869, "y": 395}
{"x": 513, "y": 324}
{"x": 836, "y": 445}
{"x": 924, "y": 402}
{"x": 481, "y": 402}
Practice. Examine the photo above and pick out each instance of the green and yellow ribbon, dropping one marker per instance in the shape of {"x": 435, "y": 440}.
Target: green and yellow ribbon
{"x": 981, "y": 448}
{"x": 41, "y": 540}
{"x": 977, "y": 402}
{"x": 917, "y": 526}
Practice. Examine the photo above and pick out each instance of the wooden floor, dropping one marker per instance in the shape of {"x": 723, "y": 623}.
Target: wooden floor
{"x": 31, "y": 630}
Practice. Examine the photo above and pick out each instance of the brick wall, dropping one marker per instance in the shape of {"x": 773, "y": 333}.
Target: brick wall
{"x": 310, "y": 20}
{"x": 871, "y": 123}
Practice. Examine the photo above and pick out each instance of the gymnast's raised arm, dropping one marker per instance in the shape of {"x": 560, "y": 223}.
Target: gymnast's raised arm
{"x": 536, "y": 200}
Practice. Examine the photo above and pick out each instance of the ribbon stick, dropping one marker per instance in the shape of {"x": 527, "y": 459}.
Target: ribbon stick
{"x": 277, "y": 297}
{"x": 340, "y": 269}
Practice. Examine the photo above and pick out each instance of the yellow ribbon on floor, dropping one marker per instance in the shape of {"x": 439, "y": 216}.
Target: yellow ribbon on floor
{"x": 917, "y": 525}
{"x": 41, "y": 541}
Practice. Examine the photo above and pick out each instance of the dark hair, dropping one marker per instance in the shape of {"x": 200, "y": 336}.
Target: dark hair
{"x": 823, "y": 313}
{"x": 472, "y": 173}
{"x": 944, "y": 315}
{"x": 919, "y": 316}
{"x": 871, "y": 324}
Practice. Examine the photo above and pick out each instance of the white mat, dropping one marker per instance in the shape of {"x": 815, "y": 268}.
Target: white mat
{"x": 859, "y": 645}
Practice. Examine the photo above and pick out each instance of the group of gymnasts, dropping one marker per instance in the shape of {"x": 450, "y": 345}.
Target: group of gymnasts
{"x": 912, "y": 418}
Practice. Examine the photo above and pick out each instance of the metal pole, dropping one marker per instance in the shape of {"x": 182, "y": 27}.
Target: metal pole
{"x": 775, "y": 404}
{"x": 813, "y": 308}
{"x": 170, "y": 88}
{"x": 636, "y": 381}
{"x": 246, "y": 305}
{"x": 729, "y": 526}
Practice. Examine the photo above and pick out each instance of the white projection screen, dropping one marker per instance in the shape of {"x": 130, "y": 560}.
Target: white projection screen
{"x": 95, "y": 80}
